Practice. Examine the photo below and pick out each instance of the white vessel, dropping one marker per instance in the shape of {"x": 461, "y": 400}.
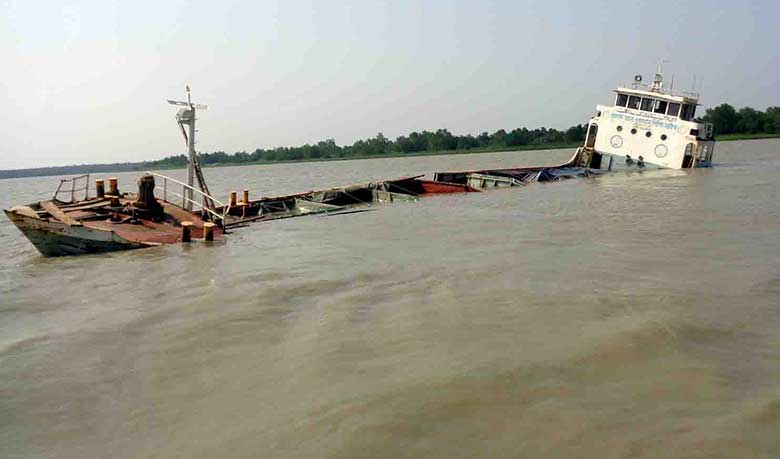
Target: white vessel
{"x": 648, "y": 126}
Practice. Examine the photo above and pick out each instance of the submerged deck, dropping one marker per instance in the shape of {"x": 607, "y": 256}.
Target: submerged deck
{"x": 124, "y": 221}
{"x": 167, "y": 231}
{"x": 99, "y": 214}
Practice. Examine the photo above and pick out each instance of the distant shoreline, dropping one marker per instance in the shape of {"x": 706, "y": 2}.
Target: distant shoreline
{"x": 141, "y": 166}
{"x": 405, "y": 155}
{"x": 745, "y": 136}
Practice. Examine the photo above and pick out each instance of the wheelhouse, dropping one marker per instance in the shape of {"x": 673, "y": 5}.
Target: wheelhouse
{"x": 648, "y": 125}
{"x": 683, "y": 108}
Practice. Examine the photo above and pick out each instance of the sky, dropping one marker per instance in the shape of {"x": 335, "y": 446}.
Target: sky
{"x": 86, "y": 82}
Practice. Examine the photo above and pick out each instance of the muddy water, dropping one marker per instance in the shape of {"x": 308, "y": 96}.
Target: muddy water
{"x": 630, "y": 315}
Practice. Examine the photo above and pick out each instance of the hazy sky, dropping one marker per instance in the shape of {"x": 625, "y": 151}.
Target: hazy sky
{"x": 85, "y": 82}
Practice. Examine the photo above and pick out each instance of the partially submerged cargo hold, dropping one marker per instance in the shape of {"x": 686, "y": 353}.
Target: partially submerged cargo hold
{"x": 121, "y": 220}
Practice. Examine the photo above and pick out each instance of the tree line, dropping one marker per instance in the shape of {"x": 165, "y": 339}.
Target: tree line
{"x": 725, "y": 119}
{"x": 441, "y": 140}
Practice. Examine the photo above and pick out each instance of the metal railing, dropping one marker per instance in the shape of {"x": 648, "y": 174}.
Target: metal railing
{"x": 708, "y": 130}
{"x": 647, "y": 87}
{"x": 184, "y": 199}
{"x": 73, "y": 188}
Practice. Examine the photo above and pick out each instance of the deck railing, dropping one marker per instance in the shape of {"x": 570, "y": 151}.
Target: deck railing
{"x": 73, "y": 188}
{"x": 203, "y": 204}
{"x": 648, "y": 87}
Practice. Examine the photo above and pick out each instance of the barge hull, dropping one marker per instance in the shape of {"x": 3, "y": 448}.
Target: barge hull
{"x": 55, "y": 239}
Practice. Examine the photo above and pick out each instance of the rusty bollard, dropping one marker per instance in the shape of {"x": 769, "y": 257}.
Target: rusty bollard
{"x": 208, "y": 231}
{"x": 233, "y": 199}
{"x": 113, "y": 186}
{"x": 246, "y": 197}
{"x": 186, "y": 231}
{"x": 146, "y": 200}
{"x": 100, "y": 188}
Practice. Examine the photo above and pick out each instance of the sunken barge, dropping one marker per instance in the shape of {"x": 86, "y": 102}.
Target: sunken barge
{"x": 167, "y": 211}
{"x": 114, "y": 220}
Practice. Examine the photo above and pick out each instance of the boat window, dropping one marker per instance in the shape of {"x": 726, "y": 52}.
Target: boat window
{"x": 693, "y": 111}
{"x": 622, "y": 100}
{"x": 685, "y": 114}
{"x": 633, "y": 102}
{"x": 660, "y": 106}
{"x": 674, "y": 109}
{"x": 647, "y": 105}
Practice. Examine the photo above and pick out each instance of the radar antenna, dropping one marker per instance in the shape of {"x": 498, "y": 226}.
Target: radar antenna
{"x": 637, "y": 81}
{"x": 186, "y": 116}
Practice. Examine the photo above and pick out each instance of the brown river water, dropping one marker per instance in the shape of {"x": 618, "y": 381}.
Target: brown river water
{"x": 631, "y": 315}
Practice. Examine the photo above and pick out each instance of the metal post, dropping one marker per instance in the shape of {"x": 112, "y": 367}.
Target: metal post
{"x": 187, "y": 116}
{"x": 208, "y": 231}
{"x": 100, "y": 188}
{"x": 190, "y": 157}
{"x": 186, "y": 231}
{"x": 113, "y": 186}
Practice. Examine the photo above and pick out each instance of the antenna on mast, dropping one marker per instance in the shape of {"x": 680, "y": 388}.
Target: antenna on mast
{"x": 186, "y": 116}
{"x": 658, "y": 79}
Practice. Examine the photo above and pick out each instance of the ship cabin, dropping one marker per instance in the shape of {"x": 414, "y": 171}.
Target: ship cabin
{"x": 649, "y": 127}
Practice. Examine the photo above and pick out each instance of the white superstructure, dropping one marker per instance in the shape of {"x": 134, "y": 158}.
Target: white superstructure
{"x": 649, "y": 126}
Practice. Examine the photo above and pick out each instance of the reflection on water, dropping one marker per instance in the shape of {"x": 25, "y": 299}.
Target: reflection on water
{"x": 629, "y": 315}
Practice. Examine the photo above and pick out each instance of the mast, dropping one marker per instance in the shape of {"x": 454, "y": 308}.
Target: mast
{"x": 658, "y": 79}
{"x": 186, "y": 116}
{"x": 190, "y": 151}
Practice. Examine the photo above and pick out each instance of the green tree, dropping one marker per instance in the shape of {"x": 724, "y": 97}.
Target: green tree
{"x": 498, "y": 138}
{"x": 419, "y": 142}
{"x": 483, "y": 139}
{"x": 575, "y": 133}
{"x": 518, "y": 137}
{"x": 442, "y": 140}
{"x": 466, "y": 142}
{"x": 750, "y": 120}
{"x": 772, "y": 120}
{"x": 723, "y": 118}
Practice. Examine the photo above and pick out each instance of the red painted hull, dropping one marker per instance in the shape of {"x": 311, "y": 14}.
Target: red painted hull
{"x": 432, "y": 187}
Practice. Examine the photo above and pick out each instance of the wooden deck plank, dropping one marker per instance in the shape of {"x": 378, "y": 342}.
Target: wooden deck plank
{"x": 57, "y": 213}
{"x": 166, "y": 231}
